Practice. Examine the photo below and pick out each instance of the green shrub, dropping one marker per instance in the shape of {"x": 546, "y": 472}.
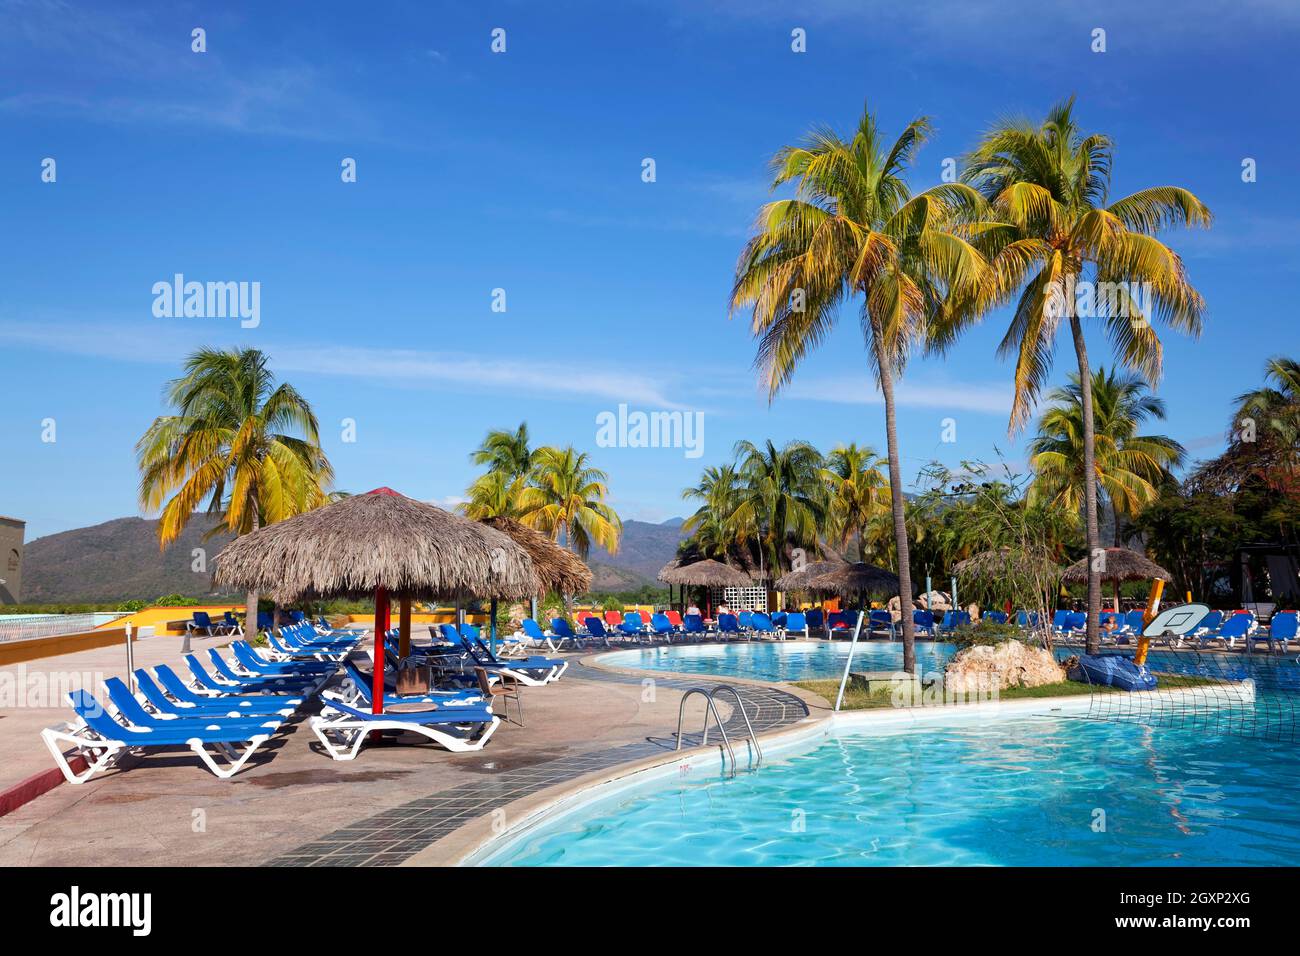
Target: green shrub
{"x": 176, "y": 600}
{"x": 984, "y": 633}
{"x": 130, "y": 607}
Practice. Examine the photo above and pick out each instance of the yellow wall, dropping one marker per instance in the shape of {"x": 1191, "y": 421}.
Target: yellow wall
{"x": 160, "y": 617}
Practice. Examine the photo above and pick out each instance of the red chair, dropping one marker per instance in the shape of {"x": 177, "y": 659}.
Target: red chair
{"x": 674, "y": 619}
{"x": 613, "y": 618}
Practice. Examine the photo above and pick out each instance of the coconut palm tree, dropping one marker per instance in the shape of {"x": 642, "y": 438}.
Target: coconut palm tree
{"x": 509, "y": 460}
{"x": 781, "y": 497}
{"x": 857, "y": 490}
{"x": 1048, "y": 183}
{"x": 565, "y": 498}
{"x": 1275, "y": 407}
{"x": 854, "y": 231}
{"x": 1129, "y": 468}
{"x": 230, "y": 442}
{"x": 719, "y": 495}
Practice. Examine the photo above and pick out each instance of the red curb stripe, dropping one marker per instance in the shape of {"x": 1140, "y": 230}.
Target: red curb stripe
{"x": 28, "y": 790}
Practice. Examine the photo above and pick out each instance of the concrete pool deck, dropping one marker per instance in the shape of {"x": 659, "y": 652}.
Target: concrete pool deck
{"x": 292, "y": 805}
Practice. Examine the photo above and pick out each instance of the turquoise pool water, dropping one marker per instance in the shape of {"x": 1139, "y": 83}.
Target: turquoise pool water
{"x": 1051, "y": 791}
{"x": 781, "y": 660}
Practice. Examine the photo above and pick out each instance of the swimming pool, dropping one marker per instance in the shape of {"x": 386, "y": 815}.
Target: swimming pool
{"x": 779, "y": 660}
{"x": 1022, "y": 790}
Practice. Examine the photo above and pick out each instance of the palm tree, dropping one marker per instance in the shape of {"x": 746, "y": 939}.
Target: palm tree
{"x": 1049, "y": 184}
{"x": 781, "y": 497}
{"x": 229, "y": 443}
{"x": 853, "y": 229}
{"x": 509, "y": 460}
{"x": 857, "y": 489}
{"x": 712, "y": 524}
{"x": 565, "y": 498}
{"x": 1277, "y": 406}
{"x": 1129, "y": 468}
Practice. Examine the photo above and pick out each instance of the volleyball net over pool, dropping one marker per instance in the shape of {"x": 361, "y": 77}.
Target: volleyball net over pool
{"x": 1232, "y": 693}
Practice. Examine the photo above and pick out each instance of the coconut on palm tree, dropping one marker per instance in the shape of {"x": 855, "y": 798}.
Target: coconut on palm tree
{"x": 565, "y": 498}
{"x": 857, "y": 491}
{"x": 1063, "y": 252}
{"x": 854, "y": 234}
{"x": 248, "y": 446}
{"x": 1129, "y": 467}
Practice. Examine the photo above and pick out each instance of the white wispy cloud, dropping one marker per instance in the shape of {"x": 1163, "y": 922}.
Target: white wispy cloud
{"x": 406, "y": 367}
{"x": 981, "y": 397}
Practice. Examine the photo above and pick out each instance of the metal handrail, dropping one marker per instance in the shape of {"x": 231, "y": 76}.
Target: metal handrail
{"x": 711, "y": 709}
{"x": 753, "y": 740}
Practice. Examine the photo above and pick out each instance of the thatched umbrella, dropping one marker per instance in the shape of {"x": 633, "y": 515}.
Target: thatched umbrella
{"x": 1117, "y": 564}
{"x": 558, "y": 569}
{"x": 857, "y": 578}
{"x": 798, "y": 580}
{"x": 706, "y": 574}
{"x": 998, "y": 563}
{"x": 379, "y": 543}
{"x": 674, "y": 563}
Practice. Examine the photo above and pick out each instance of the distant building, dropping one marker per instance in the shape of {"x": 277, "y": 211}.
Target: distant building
{"x": 11, "y": 559}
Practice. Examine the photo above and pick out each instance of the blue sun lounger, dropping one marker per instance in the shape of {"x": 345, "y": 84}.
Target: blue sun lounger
{"x": 358, "y": 690}
{"x": 101, "y": 740}
{"x": 227, "y": 681}
{"x": 189, "y": 704}
{"x": 342, "y": 729}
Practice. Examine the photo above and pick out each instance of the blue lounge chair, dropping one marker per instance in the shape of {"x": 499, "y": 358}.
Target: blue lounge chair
{"x": 728, "y": 626}
{"x": 1209, "y": 626}
{"x": 880, "y": 622}
{"x": 997, "y": 617}
{"x": 156, "y": 700}
{"x": 693, "y": 625}
{"x": 816, "y": 619}
{"x": 633, "y": 625}
{"x": 535, "y": 637}
{"x": 1282, "y": 628}
{"x": 796, "y": 622}
{"x": 531, "y": 671}
{"x": 232, "y": 624}
{"x": 745, "y": 620}
{"x": 265, "y": 621}
{"x": 1236, "y": 627}
{"x": 256, "y": 703}
{"x": 563, "y": 632}
{"x": 923, "y": 622}
{"x": 101, "y": 740}
{"x": 131, "y": 711}
{"x": 201, "y": 622}
{"x": 842, "y": 623}
{"x": 342, "y": 729}
{"x": 596, "y": 628}
{"x": 357, "y": 691}
{"x": 255, "y": 665}
{"x": 660, "y": 626}
{"x": 284, "y": 684}
{"x": 761, "y": 625}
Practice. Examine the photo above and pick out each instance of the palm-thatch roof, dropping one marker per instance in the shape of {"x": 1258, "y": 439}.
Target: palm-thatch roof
{"x": 671, "y": 565}
{"x": 798, "y": 580}
{"x": 857, "y": 578}
{"x": 1121, "y": 564}
{"x": 558, "y": 569}
{"x": 1002, "y": 562}
{"x": 380, "y": 539}
{"x": 706, "y": 573}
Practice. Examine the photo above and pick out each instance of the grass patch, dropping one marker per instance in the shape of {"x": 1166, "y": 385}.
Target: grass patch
{"x": 859, "y": 699}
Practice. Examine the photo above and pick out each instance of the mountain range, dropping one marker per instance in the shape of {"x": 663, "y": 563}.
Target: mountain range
{"x": 120, "y": 560}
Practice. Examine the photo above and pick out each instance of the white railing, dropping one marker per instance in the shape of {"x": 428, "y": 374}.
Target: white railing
{"x": 46, "y": 625}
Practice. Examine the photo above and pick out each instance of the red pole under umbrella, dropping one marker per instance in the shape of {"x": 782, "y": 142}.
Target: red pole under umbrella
{"x": 381, "y": 628}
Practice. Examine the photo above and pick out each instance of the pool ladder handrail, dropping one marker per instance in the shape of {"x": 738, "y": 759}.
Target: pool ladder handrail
{"x": 711, "y": 708}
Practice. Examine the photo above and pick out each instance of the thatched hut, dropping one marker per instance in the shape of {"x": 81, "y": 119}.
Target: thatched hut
{"x": 706, "y": 574}
{"x": 856, "y": 578}
{"x": 1117, "y": 565}
{"x": 382, "y": 544}
{"x": 798, "y": 580}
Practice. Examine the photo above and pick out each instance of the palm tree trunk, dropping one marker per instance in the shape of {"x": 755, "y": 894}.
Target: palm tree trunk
{"x": 1093, "y": 642}
{"x": 900, "y": 525}
{"x": 250, "y": 608}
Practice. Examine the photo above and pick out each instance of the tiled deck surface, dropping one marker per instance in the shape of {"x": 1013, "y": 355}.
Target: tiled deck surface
{"x": 394, "y": 836}
{"x": 293, "y": 805}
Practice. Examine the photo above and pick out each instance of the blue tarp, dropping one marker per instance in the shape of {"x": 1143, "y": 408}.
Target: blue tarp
{"x": 1113, "y": 670}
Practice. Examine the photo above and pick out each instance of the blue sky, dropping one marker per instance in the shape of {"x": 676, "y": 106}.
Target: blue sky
{"x": 522, "y": 171}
